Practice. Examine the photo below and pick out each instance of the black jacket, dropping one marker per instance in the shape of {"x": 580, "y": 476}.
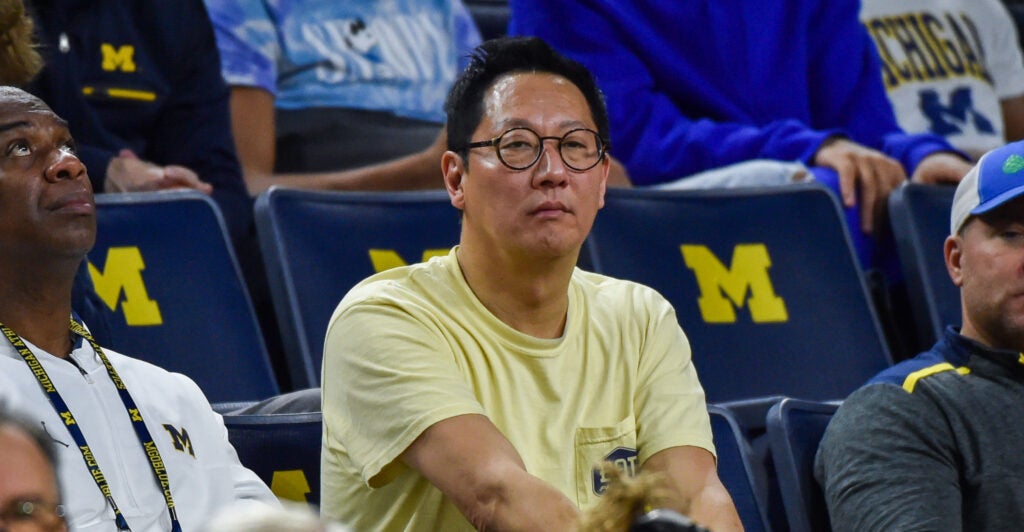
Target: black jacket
{"x": 144, "y": 75}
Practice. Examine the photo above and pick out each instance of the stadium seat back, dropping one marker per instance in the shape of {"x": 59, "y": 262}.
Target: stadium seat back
{"x": 738, "y": 468}
{"x": 174, "y": 294}
{"x": 795, "y": 428}
{"x": 764, "y": 283}
{"x": 920, "y": 224}
{"x": 282, "y": 449}
{"x": 318, "y": 245}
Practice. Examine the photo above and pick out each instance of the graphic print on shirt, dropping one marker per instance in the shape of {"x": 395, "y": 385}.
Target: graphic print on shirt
{"x": 925, "y": 47}
{"x": 954, "y": 115}
{"x": 622, "y": 458}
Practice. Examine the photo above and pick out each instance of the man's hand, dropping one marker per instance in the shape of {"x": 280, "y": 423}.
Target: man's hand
{"x": 941, "y": 167}
{"x": 861, "y": 169}
{"x": 128, "y": 173}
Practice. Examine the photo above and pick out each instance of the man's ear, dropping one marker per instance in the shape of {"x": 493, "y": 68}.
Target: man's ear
{"x": 453, "y": 167}
{"x": 953, "y": 252}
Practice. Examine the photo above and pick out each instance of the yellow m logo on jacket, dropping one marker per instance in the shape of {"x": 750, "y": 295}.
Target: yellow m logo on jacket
{"x": 180, "y": 439}
{"x": 745, "y": 281}
{"x": 121, "y": 58}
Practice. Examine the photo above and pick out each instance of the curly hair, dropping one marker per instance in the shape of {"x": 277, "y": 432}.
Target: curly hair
{"x": 624, "y": 500}
{"x": 20, "y": 61}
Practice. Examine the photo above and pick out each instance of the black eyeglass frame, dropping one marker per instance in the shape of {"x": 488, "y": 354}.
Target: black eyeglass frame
{"x": 602, "y": 148}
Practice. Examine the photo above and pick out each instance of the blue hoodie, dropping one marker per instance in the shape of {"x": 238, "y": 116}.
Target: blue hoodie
{"x": 699, "y": 84}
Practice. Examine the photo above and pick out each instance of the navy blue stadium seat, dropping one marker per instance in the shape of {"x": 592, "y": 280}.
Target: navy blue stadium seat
{"x": 317, "y": 245}
{"x": 795, "y": 428}
{"x": 174, "y": 294}
{"x": 764, "y": 282}
{"x": 920, "y": 224}
{"x": 282, "y": 449}
{"x": 739, "y": 468}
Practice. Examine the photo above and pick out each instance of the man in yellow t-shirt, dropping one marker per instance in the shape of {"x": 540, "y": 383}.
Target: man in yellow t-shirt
{"x": 482, "y": 389}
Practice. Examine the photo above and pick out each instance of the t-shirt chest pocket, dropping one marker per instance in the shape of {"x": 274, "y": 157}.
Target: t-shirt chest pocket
{"x": 616, "y": 444}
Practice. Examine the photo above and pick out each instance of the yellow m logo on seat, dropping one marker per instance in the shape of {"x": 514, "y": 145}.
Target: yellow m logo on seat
{"x": 290, "y": 485}
{"x": 748, "y": 270}
{"x": 122, "y": 57}
{"x": 385, "y": 259}
{"x": 123, "y": 273}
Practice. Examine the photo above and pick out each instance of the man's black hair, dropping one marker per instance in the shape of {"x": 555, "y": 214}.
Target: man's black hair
{"x": 506, "y": 55}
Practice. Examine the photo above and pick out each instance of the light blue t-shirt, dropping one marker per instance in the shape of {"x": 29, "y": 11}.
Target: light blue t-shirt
{"x": 389, "y": 55}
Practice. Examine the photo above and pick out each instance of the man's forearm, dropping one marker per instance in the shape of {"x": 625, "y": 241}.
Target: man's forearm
{"x": 713, "y": 509}
{"x": 520, "y": 502}
{"x": 691, "y": 474}
{"x": 482, "y": 474}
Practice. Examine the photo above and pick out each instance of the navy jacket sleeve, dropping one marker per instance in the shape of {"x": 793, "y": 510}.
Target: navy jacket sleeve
{"x": 847, "y": 69}
{"x": 143, "y": 76}
{"x": 698, "y": 85}
{"x": 194, "y": 127}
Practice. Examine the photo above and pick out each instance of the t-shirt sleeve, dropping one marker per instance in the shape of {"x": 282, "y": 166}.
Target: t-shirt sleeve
{"x": 247, "y": 43}
{"x": 668, "y": 400}
{"x": 1003, "y": 47}
{"x": 379, "y": 358}
{"x": 886, "y": 462}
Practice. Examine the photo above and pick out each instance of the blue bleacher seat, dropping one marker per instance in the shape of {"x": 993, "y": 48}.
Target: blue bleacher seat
{"x": 282, "y": 449}
{"x": 317, "y": 245}
{"x": 920, "y": 224}
{"x": 174, "y": 294}
{"x": 738, "y": 468}
{"x": 764, "y": 282}
{"x": 795, "y": 428}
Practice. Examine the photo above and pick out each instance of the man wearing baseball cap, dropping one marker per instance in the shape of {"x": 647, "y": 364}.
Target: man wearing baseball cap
{"x": 937, "y": 442}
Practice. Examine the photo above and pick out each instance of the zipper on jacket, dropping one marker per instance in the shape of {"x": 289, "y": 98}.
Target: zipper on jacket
{"x": 63, "y": 44}
{"x": 85, "y": 375}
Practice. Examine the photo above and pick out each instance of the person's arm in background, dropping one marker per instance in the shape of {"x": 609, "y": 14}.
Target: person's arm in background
{"x": 112, "y": 166}
{"x": 1013, "y": 117}
{"x": 252, "y": 117}
{"x": 478, "y": 469}
{"x": 194, "y": 128}
{"x": 128, "y": 173}
{"x": 846, "y": 69}
{"x": 252, "y": 73}
{"x": 658, "y": 142}
{"x": 655, "y": 140}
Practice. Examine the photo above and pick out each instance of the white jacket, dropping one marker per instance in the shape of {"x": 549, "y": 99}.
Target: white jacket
{"x": 205, "y": 474}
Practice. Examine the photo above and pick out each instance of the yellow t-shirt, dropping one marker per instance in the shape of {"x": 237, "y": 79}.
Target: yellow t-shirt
{"x": 412, "y": 346}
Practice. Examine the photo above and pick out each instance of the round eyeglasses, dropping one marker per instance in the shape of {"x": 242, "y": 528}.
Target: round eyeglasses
{"x": 520, "y": 147}
{"x": 31, "y": 514}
